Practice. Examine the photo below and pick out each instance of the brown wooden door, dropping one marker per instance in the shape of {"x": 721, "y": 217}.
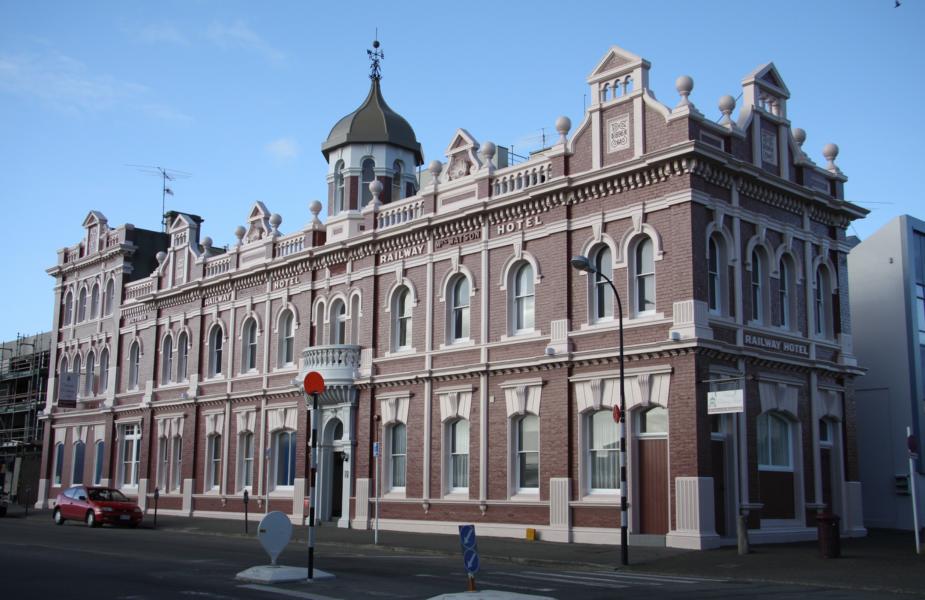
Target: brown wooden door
{"x": 718, "y": 448}
{"x": 653, "y": 486}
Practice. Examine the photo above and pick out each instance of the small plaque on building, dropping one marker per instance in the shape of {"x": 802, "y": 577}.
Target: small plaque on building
{"x": 769, "y": 147}
{"x": 67, "y": 390}
{"x": 725, "y": 401}
{"x": 618, "y": 133}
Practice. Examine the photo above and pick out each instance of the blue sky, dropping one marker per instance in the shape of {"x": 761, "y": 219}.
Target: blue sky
{"x": 241, "y": 95}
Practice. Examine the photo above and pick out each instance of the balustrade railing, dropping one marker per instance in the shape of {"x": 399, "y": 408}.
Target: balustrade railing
{"x": 399, "y": 213}
{"x": 217, "y": 266}
{"x": 138, "y": 288}
{"x": 521, "y": 177}
{"x": 336, "y": 362}
{"x": 290, "y": 245}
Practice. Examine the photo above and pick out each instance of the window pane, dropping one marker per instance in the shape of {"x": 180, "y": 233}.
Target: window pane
{"x": 529, "y": 434}
{"x": 654, "y": 420}
{"x": 529, "y": 469}
{"x": 79, "y": 449}
{"x": 780, "y": 442}
{"x": 603, "y": 444}
{"x": 98, "y": 472}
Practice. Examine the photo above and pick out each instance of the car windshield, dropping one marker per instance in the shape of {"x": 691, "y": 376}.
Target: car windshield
{"x": 107, "y": 496}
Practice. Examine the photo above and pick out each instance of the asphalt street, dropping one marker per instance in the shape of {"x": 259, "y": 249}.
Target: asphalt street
{"x": 42, "y": 560}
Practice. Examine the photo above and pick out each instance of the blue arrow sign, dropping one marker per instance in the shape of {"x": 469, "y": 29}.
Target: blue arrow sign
{"x": 470, "y": 548}
{"x": 471, "y": 560}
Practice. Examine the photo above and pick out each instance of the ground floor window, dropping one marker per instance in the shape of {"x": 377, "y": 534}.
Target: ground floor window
{"x": 98, "y": 470}
{"x": 603, "y": 451}
{"x": 130, "y": 454}
{"x": 774, "y": 442}
{"x": 285, "y": 444}
{"x": 78, "y": 472}
{"x": 246, "y": 460}
{"x": 177, "y": 460}
{"x": 59, "y": 462}
{"x": 459, "y": 455}
{"x": 398, "y": 456}
{"x": 213, "y": 461}
{"x": 527, "y": 445}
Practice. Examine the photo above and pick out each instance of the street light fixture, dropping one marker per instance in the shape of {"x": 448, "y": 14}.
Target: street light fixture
{"x": 583, "y": 264}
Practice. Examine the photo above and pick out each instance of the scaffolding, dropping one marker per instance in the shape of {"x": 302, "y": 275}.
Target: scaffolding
{"x": 24, "y": 365}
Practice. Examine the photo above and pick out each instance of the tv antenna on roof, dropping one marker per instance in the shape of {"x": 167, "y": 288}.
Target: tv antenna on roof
{"x": 165, "y": 175}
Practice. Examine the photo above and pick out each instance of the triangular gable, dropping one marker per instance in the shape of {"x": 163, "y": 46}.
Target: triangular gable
{"x": 768, "y": 76}
{"x": 615, "y": 58}
{"x": 181, "y": 222}
{"x": 94, "y": 217}
{"x": 258, "y": 223}
{"x": 259, "y": 211}
{"x": 463, "y": 140}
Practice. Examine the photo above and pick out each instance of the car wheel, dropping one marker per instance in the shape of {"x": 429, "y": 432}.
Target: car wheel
{"x": 59, "y": 520}
{"x": 91, "y": 519}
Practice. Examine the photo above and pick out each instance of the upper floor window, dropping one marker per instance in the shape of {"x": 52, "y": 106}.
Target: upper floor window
{"x": 784, "y": 290}
{"x": 527, "y": 447}
{"x": 338, "y": 322}
{"x": 758, "y": 285}
{"x": 920, "y": 311}
{"x": 249, "y": 350}
{"x": 459, "y": 454}
{"x": 774, "y": 442}
{"x": 68, "y": 308}
{"x": 401, "y": 319}
{"x": 95, "y": 301}
{"x": 459, "y": 309}
{"x": 104, "y": 370}
{"x": 182, "y": 356}
{"x": 822, "y": 303}
{"x": 215, "y": 351}
{"x": 78, "y": 373}
{"x": 369, "y": 174}
{"x": 397, "y": 172}
{"x": 89, "y": 388}
{"x": 716, "y": 275}
{"x": 134, "y": 363}
{"x": 338, "y": 187}
{"x": 109, "y": 297}
{"x": 644, "y": 276}
{"x": 286, "y": 339}
{"x": 601, "y": 294}
{"x": 167, "y": 360}
{"x": 355, "y": 319}
{"x": 82, "y": 305}
{"x": 522, "y": 306}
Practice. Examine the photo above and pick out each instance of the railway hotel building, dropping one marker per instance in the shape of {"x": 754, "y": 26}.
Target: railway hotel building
{"x": 443, "y": 313}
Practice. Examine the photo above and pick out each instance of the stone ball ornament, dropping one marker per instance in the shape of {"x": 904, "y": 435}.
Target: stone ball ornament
{"x": 727, "y": 103}
{"x": 276, "y": 220}
{"x": 375, "y": 187}
{"x": 161, "y": 257}
{"x": 799, "y": 136}
{"x": 684, "y": 84}
{"x": 207, "y": 242}
{"x": 315, "y": 207}
{"x": 435, "y": 167}
{"x": 830, "y": 151}
{"x": 488, "y": 150}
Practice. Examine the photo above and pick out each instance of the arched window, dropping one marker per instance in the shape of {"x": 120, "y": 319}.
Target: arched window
{"x": 527, "y": 445}
{"x": 182, "y": 356}
{"x": 98, "y": 467}
{"x": 601, "y": 294}
{"x": 459, "y": 309}
{"x": 59, "y": 462}
{"x": 822, "y": 303}
{"x": 89, "y": 388}
{"x": 716, "y": 275}
{"x": 77, "y": 476}
{"x": 215, "y": 351}
{"x": 523, "y": 298}
{"x": 95, "y": 301}
{"x": 397, "y": 171}
{"x": 104, "y": 370}
{"x": 459, "y": 455}
{"x": 784, "y": 289}
{"x": 110, "y": 297}
{"x": 401, "y": 319}
{"x": 338, "y": 322}
{"x": 286, "y": 339}
{"x": 82, "y": 305}
{"x": 398, "y": 454}
{"x": 214, "y": 461}
{"x": 644, "y": 276}
{"x": 133, "y": 366}
{"x": 249, "y": 350}
{"x": 758, "y": 285}
{"x": 369, "y": 174}
{"x": 774, "y": 442}
{"x": 167, "y": 360}
{"x": 68, "y": 308}
{"x": 355, "y": 319}
{"x": 338, "y": 187}
{"x": 603, "y": 452}
{"x": 285, "y": 444}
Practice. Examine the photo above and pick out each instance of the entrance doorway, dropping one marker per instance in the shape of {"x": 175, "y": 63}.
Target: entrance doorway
{"x": 337, "y": 485}
{"x": 652, "y": 452}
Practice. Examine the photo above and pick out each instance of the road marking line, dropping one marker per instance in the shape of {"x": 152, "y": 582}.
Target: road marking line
{"x": 652, "y": 577}
{"x": 551, "y": 578}
{"x": 485, "y": 582}
{"x": 286, "y": 592}
{"x": 588, "y": 577}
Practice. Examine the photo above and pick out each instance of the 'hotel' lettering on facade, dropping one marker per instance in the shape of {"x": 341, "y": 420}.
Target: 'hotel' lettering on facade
{"x": 759, "y": 341}
{"x": 518, "y": 224}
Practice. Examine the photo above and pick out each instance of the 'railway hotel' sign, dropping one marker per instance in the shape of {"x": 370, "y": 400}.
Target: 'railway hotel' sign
{"x": 766, "y": 343}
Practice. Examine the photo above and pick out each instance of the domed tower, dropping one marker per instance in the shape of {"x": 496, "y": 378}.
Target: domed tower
{"x": 372, "y": 143}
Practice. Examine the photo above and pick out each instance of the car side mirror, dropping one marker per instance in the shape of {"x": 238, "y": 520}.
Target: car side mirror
{"x": 82, "y": 498}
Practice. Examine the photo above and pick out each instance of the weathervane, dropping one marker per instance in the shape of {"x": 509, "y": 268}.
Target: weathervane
{"x": 375, "y": 55}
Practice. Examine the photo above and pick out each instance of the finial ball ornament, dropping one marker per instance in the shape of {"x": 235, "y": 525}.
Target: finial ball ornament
{"x": 488, "y": 150}
{"x": 830, "y": 151}
{"x": 375, "y": 43}
{"x": 727, "y": 103}
{"x": 315, "y": 207}
{"x": 435, "y": 167}
{"x": 207, "y": 242}
{"x": 161, "y": 256}
{"x": 684, "y": 84}
{"x": 799, "y": 136}
{"x": 239, "y": 231}
{"x": 276, "y": 219}
{"x": 563, "y": 124}
{"x": 375, "y": 187}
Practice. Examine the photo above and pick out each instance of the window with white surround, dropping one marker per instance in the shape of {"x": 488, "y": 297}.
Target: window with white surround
{"x": 82, "y": 305}
{"x": 182, "y": 357}
{"x": 527, "y": 450}
{"x": 355, "y": 319}
{"x": 245, "y": 460}
{"x": 338, "y": 187}
{"x": 600, "y": 293}
{"x": 134, "y": 364}
{"x": 319, "y": 324}
{"x": 522, "y": 298}
{"x": 163, "y": 463}
{"x": 95, "y": 301}
{"x": 758, "y": 286}
{"x": 397, "y": 453}
{"x": 401, "y": 319}
{"x": 603, "y": 452}
{"x": 77, "y": 476}
{"x": 284, "y": 449}
{"x": 822, "y": 303}
{"x": 774, "y": 442}
{"x": 104, "y": 370}
{"x": 643, "y": 279}
{"x": 167, "y": 360}
{"x": 458, "y": 467}
{"x": 129, "y": 454}
{"x": 653, "y": 421}
{"x": 249, "y": 348}
{"x": 717, "y": 269}
{"x": 110, "y": 297}
{"x": 785, "y": 291}
{"x": 458, "y": 318}
{"x": 213, "y": 461}
{"x": 68, "y": 308}
{"x": 368, "y": 176}
{"x": 100, "y": 456}
{"x": 286, "y": 339}
{"x": 78, "y": 373}
{"x": 176, "y": 473}
{"x": 59, "y": 462}
{"x": 89, "y": 388}
{"x": 338, "y": 322}
{"x": 215, "y": 351}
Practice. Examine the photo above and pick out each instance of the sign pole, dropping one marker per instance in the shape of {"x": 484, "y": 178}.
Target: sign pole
{"x": 378, "y": 455}
{"x": 912, "y": 485}
{"x": 314, "y": 385}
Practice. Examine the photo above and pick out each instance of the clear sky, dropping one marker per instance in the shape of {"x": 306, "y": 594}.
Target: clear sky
{"x": 241, "y": 95}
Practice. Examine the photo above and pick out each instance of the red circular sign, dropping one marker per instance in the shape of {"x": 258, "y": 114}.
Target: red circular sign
{"x": 313, "y": 383}
{"x": 616, "y": 413}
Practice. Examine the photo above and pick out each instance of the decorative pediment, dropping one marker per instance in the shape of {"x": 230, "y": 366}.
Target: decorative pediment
{"x": 462, "y": 157}
{"x": 768, "y": 77}
{"x": 258, "y": 223}
{"x": 522, "y": 397}
{"x": 94, "y": 217}
{"x": 616, "y": 60}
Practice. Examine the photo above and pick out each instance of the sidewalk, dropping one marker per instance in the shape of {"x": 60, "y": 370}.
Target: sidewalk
{"x": 885, "y": 560}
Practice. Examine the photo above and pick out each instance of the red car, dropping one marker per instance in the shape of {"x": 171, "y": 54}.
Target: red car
{"x": 96, "y": 506}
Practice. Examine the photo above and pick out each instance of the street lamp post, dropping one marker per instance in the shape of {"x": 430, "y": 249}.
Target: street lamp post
{"x": 583, "y": 264}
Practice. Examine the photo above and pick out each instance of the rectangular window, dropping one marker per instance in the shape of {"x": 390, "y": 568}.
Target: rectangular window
{"x": 78, "y": 473}
{"x": 398, "y": 451}
{"x": 603, "y": 449}
{"x": 285, "y": 458}
{"x": 920, "y": 311}
{"x": 214, "y": 462}
{"x": 177, "y": 460}
{"x": 459, "y": 454}
{"x": 98, "y": 471}
{"x": 528, "y": 453}
{"x": 246, "y": 453}
{"x": 59, "y": 462}
{"x": 163, "y": 463}
{"x": 130, "y": 455}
